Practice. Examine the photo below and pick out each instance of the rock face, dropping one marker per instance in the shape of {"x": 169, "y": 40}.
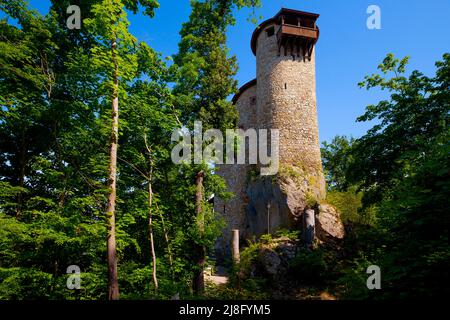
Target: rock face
{"x": 267, "y": 207}
{"x": 280, "y": 201}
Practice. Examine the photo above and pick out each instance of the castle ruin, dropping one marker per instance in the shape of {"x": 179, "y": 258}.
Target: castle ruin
{"x": 283, "y": 97}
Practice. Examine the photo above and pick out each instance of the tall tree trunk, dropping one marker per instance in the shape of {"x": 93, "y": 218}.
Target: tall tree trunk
{"x": 150, "y": 212}
{"x": 169, "y": 247}
{"x": 199, "y": 281}
{"x": 150, "y": 227}
{"x": 166, "y": 238}
{"x": 113, "y": 284}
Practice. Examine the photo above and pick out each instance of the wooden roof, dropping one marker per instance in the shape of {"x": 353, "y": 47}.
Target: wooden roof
{"x": 276, "y": 19}
{"x": 243, "y": 89}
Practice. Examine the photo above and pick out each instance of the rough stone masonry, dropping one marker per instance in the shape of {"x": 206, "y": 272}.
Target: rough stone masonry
{"x": 283, "y": 96}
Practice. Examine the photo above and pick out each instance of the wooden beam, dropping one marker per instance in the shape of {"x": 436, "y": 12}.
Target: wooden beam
{"x": 299, "y": 31}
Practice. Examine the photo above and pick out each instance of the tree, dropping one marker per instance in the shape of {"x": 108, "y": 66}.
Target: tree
{"x": 146, "y": 133}
{"x": 337, "y": 157}
{"x": 27, "y": 82}
{"x": 60, "y": 94}
{"x": 402, "y": 166}
{"x": 205, "y": 82}
{"x": 409, "y": 123}
{"x": 49, "y": 193}
{"x": 115, "y": 57}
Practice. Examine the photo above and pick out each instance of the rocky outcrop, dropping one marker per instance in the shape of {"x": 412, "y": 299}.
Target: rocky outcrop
{"x": 278, "y": 202}
{"x": 270, "y": 261}
{"x": 274, "y": 257}
{"x": 329, "y": 226}
{"x": 287, "y": 269}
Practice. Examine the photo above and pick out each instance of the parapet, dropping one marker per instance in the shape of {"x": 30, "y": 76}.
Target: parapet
{"x": 296, "y": 29}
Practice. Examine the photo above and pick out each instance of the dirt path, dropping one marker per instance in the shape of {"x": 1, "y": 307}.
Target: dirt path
{"x": 219, "y": 277}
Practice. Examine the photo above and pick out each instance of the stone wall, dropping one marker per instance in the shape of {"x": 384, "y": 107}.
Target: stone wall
{"x": 236, "y": 177}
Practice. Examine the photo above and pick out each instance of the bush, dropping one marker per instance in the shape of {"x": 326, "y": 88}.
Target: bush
{"x": 248, "y": 289}
{"x": 284, "y": 233}
{"x": 24, "y": 283}
{"x": 352, "y": 283}
{"x": 309, "y": 267}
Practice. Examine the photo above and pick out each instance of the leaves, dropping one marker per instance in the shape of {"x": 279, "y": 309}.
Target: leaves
{"x": 401, "y": 167}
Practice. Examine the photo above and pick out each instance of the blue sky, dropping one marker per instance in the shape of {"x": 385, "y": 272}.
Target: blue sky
{"x": 345, "y": 53}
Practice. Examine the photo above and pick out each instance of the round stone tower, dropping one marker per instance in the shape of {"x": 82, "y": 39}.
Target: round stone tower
{"x": 283, "y": 97}
{"x": 286, "y": 100}
{"x": 286, "y": 85}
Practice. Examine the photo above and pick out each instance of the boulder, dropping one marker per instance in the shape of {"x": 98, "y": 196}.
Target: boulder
{"x": 270, "y": 261}
{"x": 329, "y": 226}
{"x": 274, "y": 257}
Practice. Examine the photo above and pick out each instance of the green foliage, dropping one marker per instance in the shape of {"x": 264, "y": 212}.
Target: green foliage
{"x": 399, "y": 170}
{"x": 18, "y": 281}
{"x": 411, "y": 122}
{"x": 309, "y": 267}
{"x": 249, "y": 289}
{"x": 204, "y": 68}
{"x": 336, "y": 159}
{"x": 293, "y": 235}
{"x": 204, "y": 81}
{"x": 54, "y": 134}
{"x": 243, "y": 284}
{"x": 266, "y": 238}
{"x": 311, "y": 200}
{"x": 352, "y": 282}
{"x": 391, "y": 185}
{"x": 347, "y": 202}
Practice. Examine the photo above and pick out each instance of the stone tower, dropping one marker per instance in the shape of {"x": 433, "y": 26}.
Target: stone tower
{"x": 283, "y": 96}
